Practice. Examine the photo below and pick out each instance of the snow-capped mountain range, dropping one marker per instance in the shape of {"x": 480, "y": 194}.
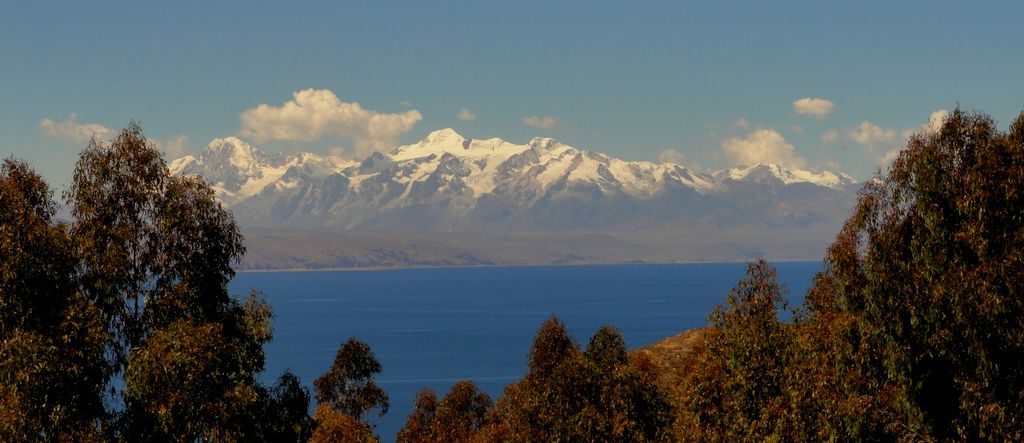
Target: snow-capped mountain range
{"x": 447, "y": 182}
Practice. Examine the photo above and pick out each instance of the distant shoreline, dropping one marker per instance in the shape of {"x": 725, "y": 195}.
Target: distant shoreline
{"x": 511, "y": 265}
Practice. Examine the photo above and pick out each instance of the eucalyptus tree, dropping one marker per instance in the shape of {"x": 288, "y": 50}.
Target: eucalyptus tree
{"x": 929, "y": 272}
{"x": 156, "y": 254}
{"x": 347, "y": 393}
{"x": 52, "y": 370}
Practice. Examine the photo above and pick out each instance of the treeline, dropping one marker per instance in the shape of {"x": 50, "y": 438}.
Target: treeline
{"x": 119, "y": 326}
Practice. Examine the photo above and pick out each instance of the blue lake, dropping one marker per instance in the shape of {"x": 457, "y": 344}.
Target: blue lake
{"x": 434, "y": 327}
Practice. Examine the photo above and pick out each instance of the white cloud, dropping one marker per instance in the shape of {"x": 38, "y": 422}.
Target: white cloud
{"x": 541, "y": 122}
{"x": 873, "y": 136}
{"x": 466, "y": 115}
{"x": 829, "y": 137}
{"x": 888, "y": 157}
{"x": 870, "y": 135}
{"x": 763, "y": 146}
{"x": 814, "y": 107}
{"x": 313, "y": 113}
{"x": 936, "y": 119}
{"x": 71, "y": 131}
{"x": 741, "y": 123}
{"x": 173, "y": 148}
{"x": 934, "y": 123}
{"x": 882, "y": 144}
{"x": 671, "y": 156}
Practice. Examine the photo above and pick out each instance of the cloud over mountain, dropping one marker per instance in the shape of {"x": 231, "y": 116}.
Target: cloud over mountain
{"x": 762, "y": 146}
{"x": 313, "y": 113}
{"x": 671, "y": 156}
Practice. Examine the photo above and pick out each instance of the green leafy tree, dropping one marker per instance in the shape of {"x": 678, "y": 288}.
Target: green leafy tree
{"x": 607, "y": 349}
{"x": 155, "y": 249}
{"x": 928, "y": 271}
{"x": 552, "y": 347}
{"x": 154, "y": 255}
{"x": 461, "y": 412}
{"x": 195, "y": 380}
{"x": 839, "y": 388}
{"x": 541, "y": 405}
{"x": 333, "y": 426}
{"x": 626, "y": 403}
{"x": 52, "y": 370}
{"x": 132, "y": 294}
{"x": 285, "y": 416}
{"x": 457, "y": 418}
{"x": 348, "y": 387}
{"x": 419, "y": 428}
{"x": 568, "y": 395}
{"x": 38, "y": 267}
{"x": 737, "y": 389}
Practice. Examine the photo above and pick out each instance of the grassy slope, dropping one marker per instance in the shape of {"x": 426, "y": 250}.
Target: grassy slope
{"x": 674, "y": 355}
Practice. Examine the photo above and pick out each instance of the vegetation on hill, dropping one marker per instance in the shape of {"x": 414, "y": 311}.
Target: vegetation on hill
{"x": 119, "y": 326}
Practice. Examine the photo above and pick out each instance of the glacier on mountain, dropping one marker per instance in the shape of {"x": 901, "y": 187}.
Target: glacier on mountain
{"x": 447, "y": 182}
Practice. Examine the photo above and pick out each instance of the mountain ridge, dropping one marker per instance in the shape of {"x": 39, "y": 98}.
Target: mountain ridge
{"x": 447, "y": 182}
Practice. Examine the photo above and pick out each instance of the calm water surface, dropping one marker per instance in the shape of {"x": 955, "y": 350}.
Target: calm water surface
{"x": 434, "y": 327}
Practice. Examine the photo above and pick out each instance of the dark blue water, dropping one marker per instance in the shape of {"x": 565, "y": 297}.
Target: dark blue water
{"x": 434, "y": 327}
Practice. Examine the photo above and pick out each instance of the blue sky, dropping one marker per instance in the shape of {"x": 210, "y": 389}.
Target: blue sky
{"x": 638, "y": 80}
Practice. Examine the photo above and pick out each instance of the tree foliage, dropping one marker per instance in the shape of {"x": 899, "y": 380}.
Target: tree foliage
{"x": 348, "y": 388}
{"x": 928, "y": 271}
{"x": 912, "y": 331}
{"x": 419, "y": 427}
{"x": 457, "y": 418}
{"x": 737, "y": 389}
{"x": 569, "y": 395}
{"x": 333, "y": 426}
{"x": 155, "y": 249}
{"x": 52, "y": 370}
{"x": 133, "y": 294}
{"x": 285, "y": 416}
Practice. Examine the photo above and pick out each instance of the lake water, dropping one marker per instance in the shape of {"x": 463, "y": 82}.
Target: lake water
{"x": 434, "y": 327}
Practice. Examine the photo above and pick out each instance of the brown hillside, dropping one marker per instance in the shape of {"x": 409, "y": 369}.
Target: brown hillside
{"x": 674, "y": 355}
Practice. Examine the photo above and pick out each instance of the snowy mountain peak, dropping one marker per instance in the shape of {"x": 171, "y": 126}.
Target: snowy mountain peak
{"x": 544, "y": 144}
{"x": 234, "y": 150}
{"x": 443, "y": 136}
{"x": 230, "y": 143}
{"x": 447, "y": 180}
{"x": 375, "y": 163}
{"x": 768, "y": 172}
{"x": 437, "y": 142}
{"x": 237, "y": 170}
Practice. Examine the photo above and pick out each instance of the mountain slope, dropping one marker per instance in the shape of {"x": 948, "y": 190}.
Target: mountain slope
{"x": 238, "y": 171}
{"x": 447, "y": 182}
